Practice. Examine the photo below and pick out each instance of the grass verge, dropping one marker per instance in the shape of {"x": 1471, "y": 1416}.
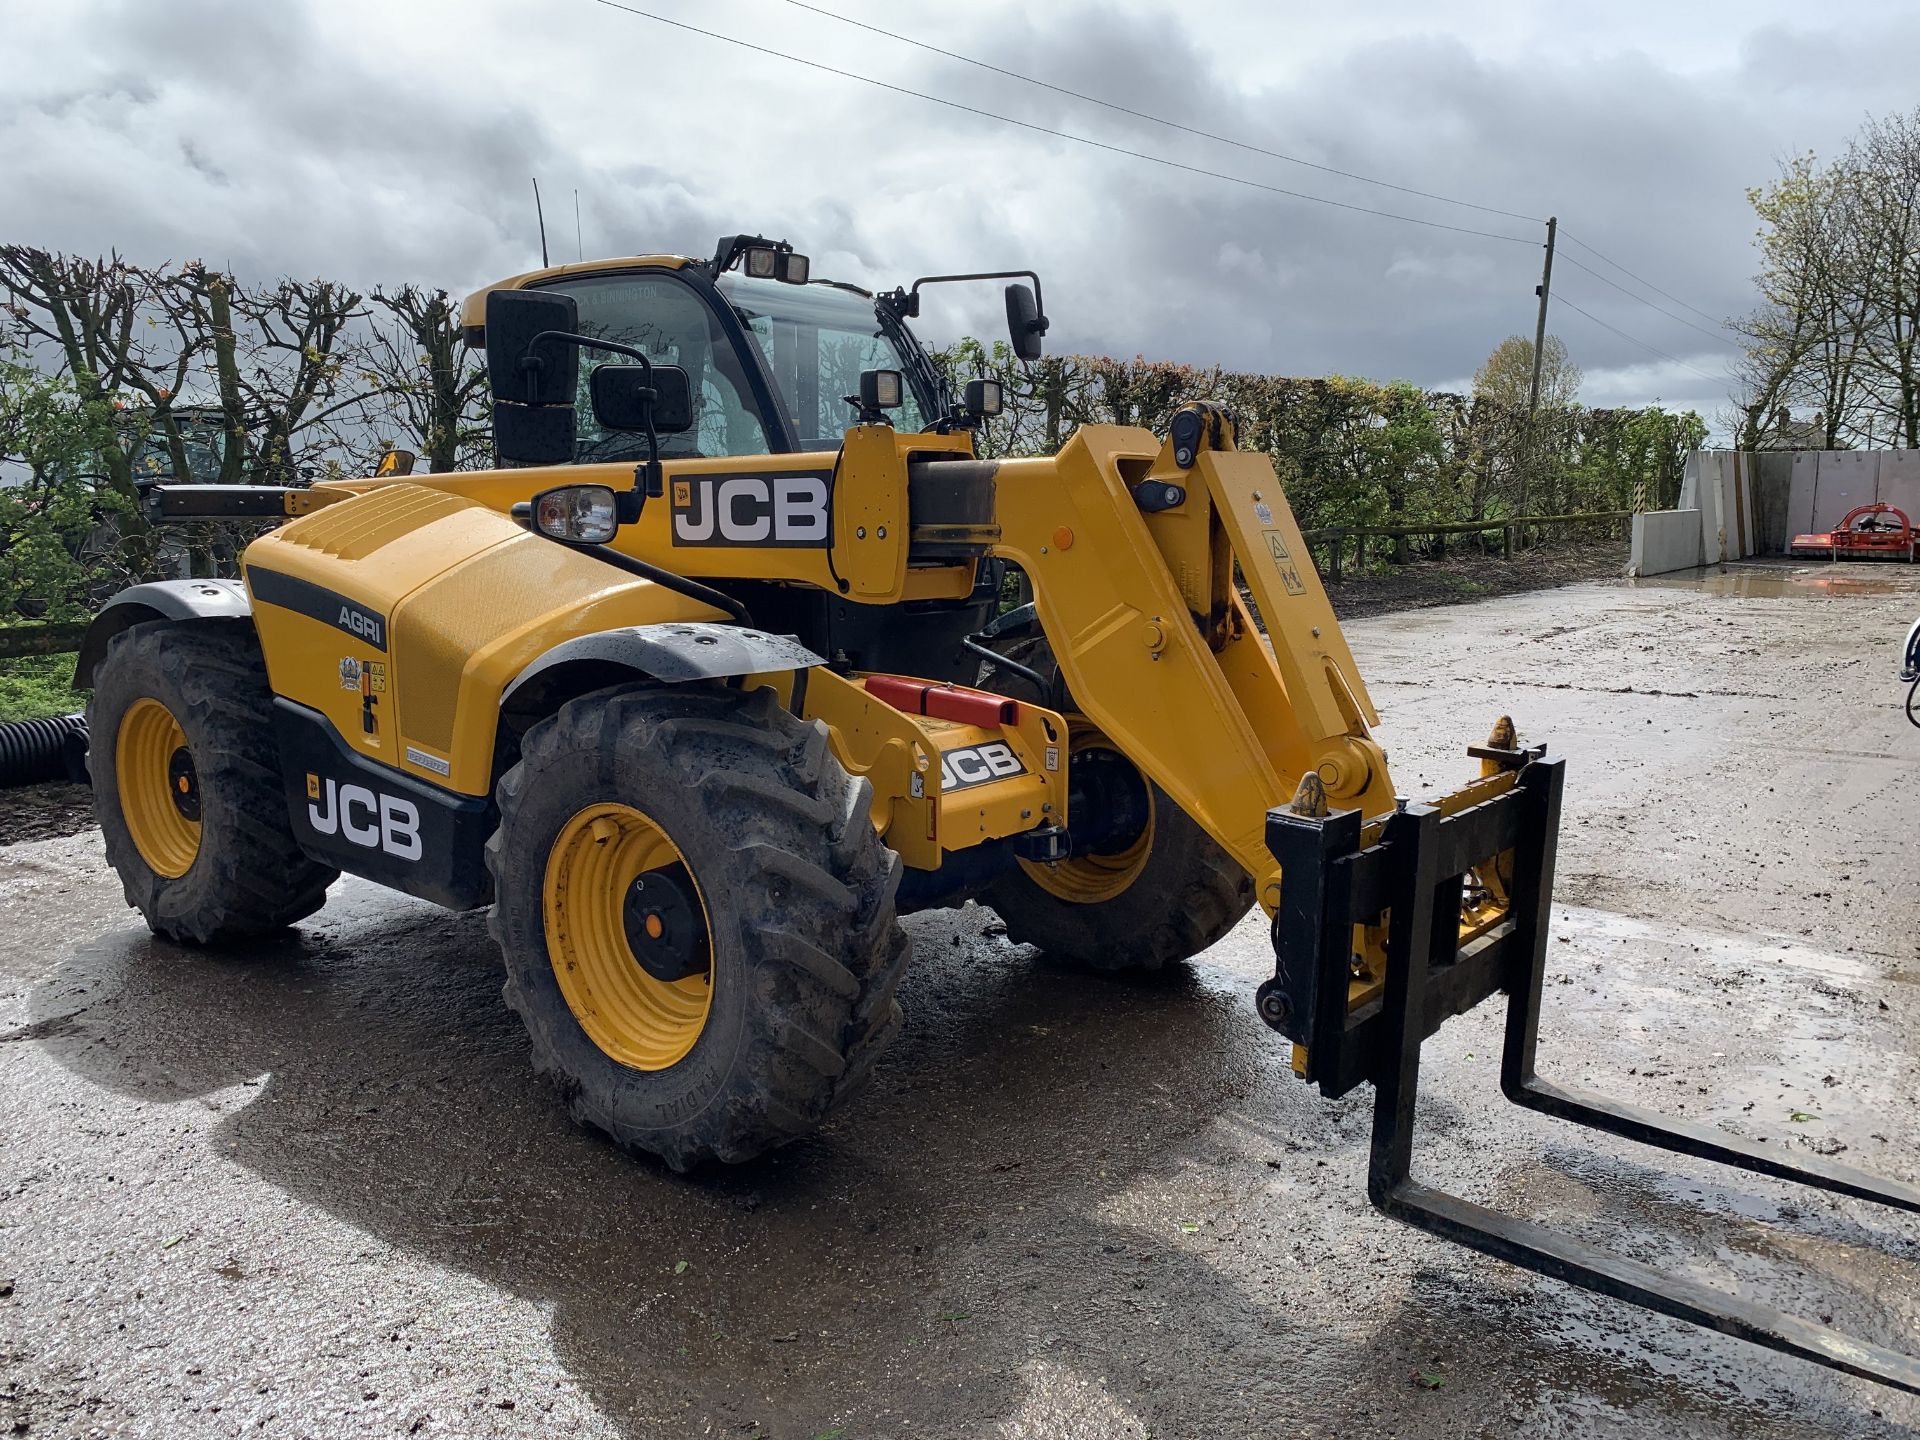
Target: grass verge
{"x": 35, "y": 686}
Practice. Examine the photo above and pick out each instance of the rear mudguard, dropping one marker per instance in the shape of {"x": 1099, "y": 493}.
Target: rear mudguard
{"x": 158, "y": 600}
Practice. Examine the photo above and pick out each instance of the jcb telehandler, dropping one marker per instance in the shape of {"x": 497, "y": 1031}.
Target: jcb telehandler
{"x": 716, "y": 678}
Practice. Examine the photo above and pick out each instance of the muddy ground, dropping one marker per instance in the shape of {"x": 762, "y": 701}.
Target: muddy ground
{"x": 314, "y": 1189}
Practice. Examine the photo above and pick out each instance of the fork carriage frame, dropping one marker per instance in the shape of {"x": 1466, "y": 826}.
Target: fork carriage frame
{"x": 1416, "y": 867}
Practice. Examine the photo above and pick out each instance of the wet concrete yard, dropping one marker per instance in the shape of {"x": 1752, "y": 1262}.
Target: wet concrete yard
{"x": 317, "y": 1191}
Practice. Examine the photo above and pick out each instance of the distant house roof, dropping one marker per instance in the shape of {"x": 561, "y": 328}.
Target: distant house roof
{"x": 1783, "y": 432}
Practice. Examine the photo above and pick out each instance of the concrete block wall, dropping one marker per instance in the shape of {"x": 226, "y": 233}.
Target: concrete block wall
{"x": 1754, "y": 503}
{"x": 1664, "y": 540}
{"x": 1827, "y": 484}
{"x": 1717, "y": 485}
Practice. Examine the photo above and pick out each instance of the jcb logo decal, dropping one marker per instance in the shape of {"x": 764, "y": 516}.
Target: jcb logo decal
{"x": 787, "y": 510}
{"x": 377, "y": 822}
{"x": 978, "y": 765}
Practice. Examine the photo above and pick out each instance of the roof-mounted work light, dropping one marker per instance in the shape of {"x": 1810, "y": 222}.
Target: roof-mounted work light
{"x": 761, "y": 258}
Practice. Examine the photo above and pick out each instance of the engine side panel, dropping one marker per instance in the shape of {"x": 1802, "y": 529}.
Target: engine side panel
{"x": 401, "y": 616}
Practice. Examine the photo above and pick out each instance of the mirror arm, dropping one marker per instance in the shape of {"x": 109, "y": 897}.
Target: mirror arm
{"x": 911, "y": 299}
{"x": 647, "y": 477}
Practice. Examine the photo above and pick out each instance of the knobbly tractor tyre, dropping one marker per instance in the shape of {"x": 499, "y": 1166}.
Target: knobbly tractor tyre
{"x": 187, "y": 788}
{"x": 1152, "y": 890}
{"x": 697, "y": 918}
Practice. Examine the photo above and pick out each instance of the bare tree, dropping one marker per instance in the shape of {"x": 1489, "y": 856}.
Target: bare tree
{"x": 297, "y": 374}
{"x": 1838, "y": 327}
{"x": 423, "y": 385}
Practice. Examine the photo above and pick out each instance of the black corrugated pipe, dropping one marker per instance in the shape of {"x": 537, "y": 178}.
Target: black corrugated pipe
{"x": 35, "y": 750}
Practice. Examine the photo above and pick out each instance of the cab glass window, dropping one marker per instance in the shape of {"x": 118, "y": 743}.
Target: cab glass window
{"x": 816, "y": 340}
{"x": 661, "y": 316}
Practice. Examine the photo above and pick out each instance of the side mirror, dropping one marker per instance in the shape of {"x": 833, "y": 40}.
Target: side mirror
{"x": 622, "y": 395}
{"x": 533, "y": 434}
{"x": 532, "y": 383}
{"x": 1025, "y": 323}
{"x": 519, "y": 371}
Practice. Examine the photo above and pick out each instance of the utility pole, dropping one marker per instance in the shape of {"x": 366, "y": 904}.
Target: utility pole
{"x": 1539, "y": 354}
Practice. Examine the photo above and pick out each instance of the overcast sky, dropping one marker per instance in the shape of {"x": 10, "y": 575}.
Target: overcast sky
{"x": 388, "y": 140}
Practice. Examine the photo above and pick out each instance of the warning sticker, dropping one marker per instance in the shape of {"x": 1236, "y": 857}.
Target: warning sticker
{"x": 1283, "y": 562}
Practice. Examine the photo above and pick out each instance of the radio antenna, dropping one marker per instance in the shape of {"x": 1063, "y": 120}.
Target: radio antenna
{"x": 540, "y": 215}
{"x": 579, "y": 250}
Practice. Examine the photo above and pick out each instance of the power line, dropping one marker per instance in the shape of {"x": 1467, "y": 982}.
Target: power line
{"x": 1631, "y": 276}
{"x": 1059, "y": 134}
{"x": 1719, "y": 334}
{"x": 945, "y": 53}
{"x": 1718, "y": 338}
{"x": 1560, "y": 299}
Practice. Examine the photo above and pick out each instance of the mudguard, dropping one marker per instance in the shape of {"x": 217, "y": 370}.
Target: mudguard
{"x": 672, "y": 652}
{"x": 158, "y": 600}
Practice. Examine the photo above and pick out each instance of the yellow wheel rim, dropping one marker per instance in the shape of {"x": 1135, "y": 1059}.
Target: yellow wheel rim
{"x": 1089, "y": 879}
{"x": 159, "y": 788}
{"x": 594, "y": 922}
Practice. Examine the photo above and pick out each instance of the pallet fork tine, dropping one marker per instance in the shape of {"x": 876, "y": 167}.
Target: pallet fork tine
{"x": 1416, "y": 872}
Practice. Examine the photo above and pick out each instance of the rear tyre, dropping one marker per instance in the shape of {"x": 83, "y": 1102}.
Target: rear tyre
{"x": 1156, "y": 894}
{"x": 697, "y": 918}
{"x": 186, "y": 784}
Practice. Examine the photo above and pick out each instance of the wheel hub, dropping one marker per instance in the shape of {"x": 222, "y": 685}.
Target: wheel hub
{"x": 1107, "y": 800}
{"x": 183, "y": 784}
{"x": 665, "y": 927}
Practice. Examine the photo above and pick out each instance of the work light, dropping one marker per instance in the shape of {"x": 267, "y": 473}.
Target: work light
{"x": 881, "y": 389}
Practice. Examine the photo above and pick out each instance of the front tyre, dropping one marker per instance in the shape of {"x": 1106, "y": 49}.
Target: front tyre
{"x": 697, "y": 919}
{"x": 1151, "y": 891}
{"x": 186, "y": 783}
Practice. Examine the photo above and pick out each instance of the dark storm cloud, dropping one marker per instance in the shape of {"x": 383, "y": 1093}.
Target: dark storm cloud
{"x": 1643, "y": 154}
{"x": 253, "y": 135}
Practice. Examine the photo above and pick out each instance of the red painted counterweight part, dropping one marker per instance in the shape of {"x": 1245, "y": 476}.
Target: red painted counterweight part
{"x": 944, "y": 702}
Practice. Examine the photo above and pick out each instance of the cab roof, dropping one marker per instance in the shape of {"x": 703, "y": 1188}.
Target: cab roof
{"x": 473, "y": 310}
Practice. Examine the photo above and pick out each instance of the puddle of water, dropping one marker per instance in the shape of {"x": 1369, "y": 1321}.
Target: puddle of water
{"x": 1768, "y": 583}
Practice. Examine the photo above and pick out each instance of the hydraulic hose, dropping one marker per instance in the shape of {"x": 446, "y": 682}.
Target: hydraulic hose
{"x": 33, "y": 751}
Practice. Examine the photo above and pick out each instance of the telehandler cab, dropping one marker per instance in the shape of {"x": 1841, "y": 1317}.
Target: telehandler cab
{"x": 714, "y": 679}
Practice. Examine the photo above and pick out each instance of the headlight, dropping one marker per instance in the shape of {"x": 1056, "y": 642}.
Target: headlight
{"x": 577, "y": 514}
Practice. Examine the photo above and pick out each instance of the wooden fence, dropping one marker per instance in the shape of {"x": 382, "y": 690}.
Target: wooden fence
{"x": 1331, "y": 544}
{"x": 41, "y": 637}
